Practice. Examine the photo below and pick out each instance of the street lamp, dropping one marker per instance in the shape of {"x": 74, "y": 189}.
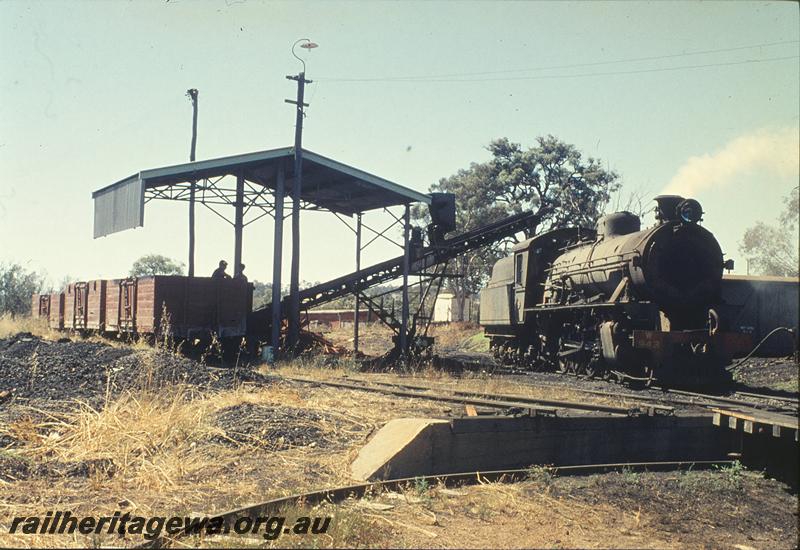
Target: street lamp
{"x": 308, "y": 45}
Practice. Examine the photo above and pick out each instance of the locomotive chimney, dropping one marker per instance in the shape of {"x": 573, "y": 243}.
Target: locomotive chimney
{"x": 667, "y": 209}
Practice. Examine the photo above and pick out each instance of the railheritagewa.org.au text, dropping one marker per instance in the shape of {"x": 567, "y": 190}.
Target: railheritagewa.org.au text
{"x": 64, "y": 522}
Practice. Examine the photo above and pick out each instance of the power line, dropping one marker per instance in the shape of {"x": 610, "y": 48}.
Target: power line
{"x": 441, "y": 77}
{"x": 580, "y": 75}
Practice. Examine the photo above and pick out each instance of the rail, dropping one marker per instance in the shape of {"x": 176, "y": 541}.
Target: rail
{"x": 680, "y": 397}
{"x": 487, "y": 399}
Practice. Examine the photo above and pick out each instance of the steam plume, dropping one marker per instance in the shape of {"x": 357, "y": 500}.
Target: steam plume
{"x": 771, "y": 152}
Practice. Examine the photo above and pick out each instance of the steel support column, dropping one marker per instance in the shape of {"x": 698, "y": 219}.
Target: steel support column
{"x": 192, "y": 192}
{"x": 277, "y": 257}
{"x": 358, "y": 268}
{"x": 238, "y": 225}
{"x": 406, "y": 261}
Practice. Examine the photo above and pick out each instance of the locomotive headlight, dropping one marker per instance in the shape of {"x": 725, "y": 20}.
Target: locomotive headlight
{"x": 690, "y": 211}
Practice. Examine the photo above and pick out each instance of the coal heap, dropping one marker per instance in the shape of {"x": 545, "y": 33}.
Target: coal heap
{"x": 273, "y": 427}
{"x": 34, "y": 368}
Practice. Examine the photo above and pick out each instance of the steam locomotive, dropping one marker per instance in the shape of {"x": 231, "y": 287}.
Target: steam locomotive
{"x": 617, "y": 301}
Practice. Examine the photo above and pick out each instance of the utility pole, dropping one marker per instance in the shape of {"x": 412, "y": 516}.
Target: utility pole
{"x": 192, "y": 93}
{"x": 297, "y": 186}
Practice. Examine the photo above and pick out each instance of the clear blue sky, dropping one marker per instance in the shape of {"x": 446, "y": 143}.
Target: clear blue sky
{"x": 91, "y": 92}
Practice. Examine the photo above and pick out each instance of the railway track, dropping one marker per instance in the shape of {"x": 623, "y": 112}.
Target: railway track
{"x": 769, "y": 397}
{"x": 681, "y": 397}
{"x": 747, "y": 399}
{"x": 657, "y": 400}
{"x": 764, "y": 399}
{"x": 338, "y": 494}
{"x": 535, "y": 406}
{"x": 653, "y": 409}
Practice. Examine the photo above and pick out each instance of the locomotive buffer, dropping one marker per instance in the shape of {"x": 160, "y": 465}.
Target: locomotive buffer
{"x": 422, "y": 258}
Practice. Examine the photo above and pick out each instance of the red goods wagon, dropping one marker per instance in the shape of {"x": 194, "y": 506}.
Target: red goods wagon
{"x": 75, "y": 309}
{"x": 57, "y": 310}
{"x": 111, "y": 305}
{"x": 186, "y": 307}
{"x": 69, "y": 306}
{"x": 40, "y": 306}
{"x": 96, "y": 304}
{"x": 192, "y": 307}
{"x": 44, "y": 306}
{"x": 120, "y": 305}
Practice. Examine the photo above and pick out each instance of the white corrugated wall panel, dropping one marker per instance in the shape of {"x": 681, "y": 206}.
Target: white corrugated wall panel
{"x": 119, "y": 207}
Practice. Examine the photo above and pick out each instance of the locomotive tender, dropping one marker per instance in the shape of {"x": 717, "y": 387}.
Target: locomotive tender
{"x": 617, "y": 301}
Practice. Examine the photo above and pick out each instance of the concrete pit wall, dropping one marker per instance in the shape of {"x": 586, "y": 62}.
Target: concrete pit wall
{"x": 413, "y": 447}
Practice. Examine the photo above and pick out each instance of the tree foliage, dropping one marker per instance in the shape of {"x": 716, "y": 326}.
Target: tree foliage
{"x": 552, "y": 179}
{"x": 155, "y": 264}
{"x": 262, "y": 294}
{"x": 17, "y": 285}
{"x": 772, "y": 249}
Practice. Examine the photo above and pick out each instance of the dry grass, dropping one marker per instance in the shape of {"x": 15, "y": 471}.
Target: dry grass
{"x": 149, "y": 437}
{"x": 459, "y": 336}
{"x": 160, "y": 451}
{"x": 376, "y": 339}
{"x": 11, "y": 325}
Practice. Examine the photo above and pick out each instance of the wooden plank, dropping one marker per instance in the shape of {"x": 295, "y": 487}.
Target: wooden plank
{"x": 761, "y": 417}
{"x": 762, "y": 422}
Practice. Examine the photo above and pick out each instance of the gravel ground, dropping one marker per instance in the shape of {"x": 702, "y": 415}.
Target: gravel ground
{"x": 14, "y": 467}
{"x": 779, "y": 373}
{"x": 727, "y": 508}
{"x": 276, "y": 428}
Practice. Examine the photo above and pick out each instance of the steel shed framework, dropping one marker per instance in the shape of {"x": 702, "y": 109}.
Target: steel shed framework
{"x": 257, "y": 185}
{"x": 328, "y": 185}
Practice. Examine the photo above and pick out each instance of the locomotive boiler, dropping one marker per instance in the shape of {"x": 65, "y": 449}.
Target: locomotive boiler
{"x": 616, "y": 301}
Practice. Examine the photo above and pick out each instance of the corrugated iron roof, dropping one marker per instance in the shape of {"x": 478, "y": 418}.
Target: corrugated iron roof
{"x": 326, "y": 183}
